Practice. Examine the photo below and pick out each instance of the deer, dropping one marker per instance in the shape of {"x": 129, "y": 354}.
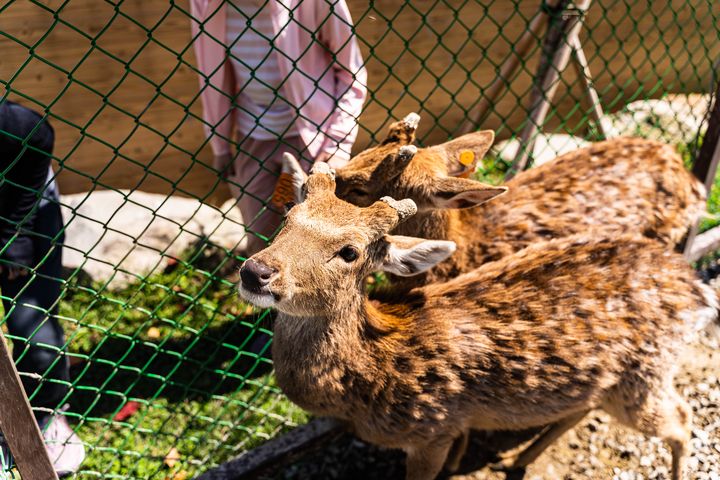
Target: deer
{"x": 623, "y": 185}
{"x": 543, "y": 335}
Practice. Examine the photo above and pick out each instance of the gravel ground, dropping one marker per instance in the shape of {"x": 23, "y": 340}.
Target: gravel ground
{"x": 598, "y": 448}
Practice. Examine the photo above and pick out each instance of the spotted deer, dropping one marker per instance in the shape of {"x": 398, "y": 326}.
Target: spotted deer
{"x": 624, "y": 185}
{"x": 541, "y": 335}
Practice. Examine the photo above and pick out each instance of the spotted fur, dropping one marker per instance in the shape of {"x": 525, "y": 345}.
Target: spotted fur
{"x": 541, "y": 335}
{"x": 621, "y": 186}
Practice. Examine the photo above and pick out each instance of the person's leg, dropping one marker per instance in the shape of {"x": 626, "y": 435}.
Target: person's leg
{"x": 257, "y": 168}
{"x": 30, "y": 304}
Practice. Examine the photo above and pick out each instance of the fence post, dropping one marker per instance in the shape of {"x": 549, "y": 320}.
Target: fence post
{"x": 705, "y": 168}
{"x": 18, "y": 424}
{"x": 519, "y": 53}
{"x": 559, "y": 41}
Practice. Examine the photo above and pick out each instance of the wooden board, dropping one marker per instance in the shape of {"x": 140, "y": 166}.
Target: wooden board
{"x": 18, "y": 425}
{"x": 125, "y": 108}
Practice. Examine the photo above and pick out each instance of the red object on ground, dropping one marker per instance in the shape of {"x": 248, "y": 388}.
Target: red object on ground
{"x": 127, "y": 411}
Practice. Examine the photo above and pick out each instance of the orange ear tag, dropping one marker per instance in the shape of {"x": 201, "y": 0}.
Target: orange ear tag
{"x": 467, "y": 158}
{"x": 284, "y": 191}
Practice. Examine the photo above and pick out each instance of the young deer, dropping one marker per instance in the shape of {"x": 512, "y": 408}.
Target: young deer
{"x": 625, "y": 185}
{"x": 543, "y": 335}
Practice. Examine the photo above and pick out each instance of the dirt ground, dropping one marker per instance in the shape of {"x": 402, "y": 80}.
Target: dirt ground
{"x": 598, "y": 448}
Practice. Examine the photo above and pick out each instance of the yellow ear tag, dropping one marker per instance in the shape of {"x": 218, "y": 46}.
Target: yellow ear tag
{"x": 467, "y": 157}
{"x": 284, "y": 191}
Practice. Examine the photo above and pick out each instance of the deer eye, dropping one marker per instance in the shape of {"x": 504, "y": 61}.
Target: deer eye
{"x": 348, "y": 253}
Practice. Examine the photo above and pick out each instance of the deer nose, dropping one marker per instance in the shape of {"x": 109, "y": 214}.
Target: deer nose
{"x": 255, "y": 275}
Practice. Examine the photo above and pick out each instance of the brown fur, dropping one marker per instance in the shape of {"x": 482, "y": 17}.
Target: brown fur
{"x": 542, "y": 335}
{"x": 623, "y": 186}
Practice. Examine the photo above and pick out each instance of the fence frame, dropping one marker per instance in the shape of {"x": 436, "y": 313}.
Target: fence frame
{"x": 18, "y": 424}
{"x": 705, "y": 169}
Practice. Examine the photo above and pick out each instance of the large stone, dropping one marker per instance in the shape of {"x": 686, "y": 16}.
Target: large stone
{"x": 547, "y": 147}
{"x": 120, "y": 235}
{"x": 675, "y": 119}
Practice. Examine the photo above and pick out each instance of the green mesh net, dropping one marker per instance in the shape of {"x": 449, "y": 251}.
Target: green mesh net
{"x": 170, "y": 373}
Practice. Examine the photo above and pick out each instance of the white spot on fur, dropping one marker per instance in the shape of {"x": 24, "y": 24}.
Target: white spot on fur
{"x": 262, "y": 301}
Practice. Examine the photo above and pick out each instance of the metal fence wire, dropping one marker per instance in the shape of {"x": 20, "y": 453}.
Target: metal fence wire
{"x": 169, "y": 371}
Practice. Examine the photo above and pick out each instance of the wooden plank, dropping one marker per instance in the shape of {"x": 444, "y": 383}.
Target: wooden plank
{"x": 529, "y": 38}
{"x": 18, "y": 425}
{"x": 278, "y": 451}
{"x": 705, "y": 169}
{"x": 582, "y": 69}
{"x": 704, "y": 244}
{"x": 560, "y": 37}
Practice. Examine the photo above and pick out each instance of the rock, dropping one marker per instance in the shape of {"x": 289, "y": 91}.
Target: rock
{"x": 547, "y": 147}
{"x": 677, "y": 118}
{"x": 120, "y": 235}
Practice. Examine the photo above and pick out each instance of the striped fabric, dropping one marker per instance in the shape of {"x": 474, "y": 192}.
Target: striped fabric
{"x": 264, "y": 115}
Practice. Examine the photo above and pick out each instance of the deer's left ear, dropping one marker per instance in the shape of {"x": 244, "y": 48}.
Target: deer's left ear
{"x": 407, "y": 256}
{"x": 463, "y": 154}
{"x": 451, "y": 192}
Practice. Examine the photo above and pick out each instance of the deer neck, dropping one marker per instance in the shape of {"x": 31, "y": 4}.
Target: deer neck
{"x": 314, "y": 356}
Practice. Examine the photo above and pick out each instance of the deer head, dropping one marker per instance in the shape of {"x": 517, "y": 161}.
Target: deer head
{"x": 327, "y": 247}
{"x": 433, "y": 177}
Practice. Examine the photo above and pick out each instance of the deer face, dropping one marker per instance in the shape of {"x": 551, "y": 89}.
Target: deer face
{"x": 432, "y": 177}
{"x": 328, "y": 246}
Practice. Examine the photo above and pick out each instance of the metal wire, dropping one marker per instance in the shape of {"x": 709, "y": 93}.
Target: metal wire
{"x": 170, "y": 373}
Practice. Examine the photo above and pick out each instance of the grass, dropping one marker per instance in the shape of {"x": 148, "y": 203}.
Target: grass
{"x": 182, "y": 348}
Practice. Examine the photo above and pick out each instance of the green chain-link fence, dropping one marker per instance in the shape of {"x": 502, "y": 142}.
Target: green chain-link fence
{"x": 169, "y": 370}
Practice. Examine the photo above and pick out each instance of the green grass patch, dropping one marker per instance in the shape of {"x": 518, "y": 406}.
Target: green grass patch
{"x": 181, "y": 347}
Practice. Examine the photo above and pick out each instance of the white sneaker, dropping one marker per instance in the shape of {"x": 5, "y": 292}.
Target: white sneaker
{"x": 64, "y": 447}
{"x": 6, "y": 460}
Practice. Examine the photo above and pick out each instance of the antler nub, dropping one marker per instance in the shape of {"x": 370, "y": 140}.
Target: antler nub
{"x": 407, "y": 151}
{"x": 405, "y": 208}
{"x": 411, "y": 120}
{"x": 322, "y": 167}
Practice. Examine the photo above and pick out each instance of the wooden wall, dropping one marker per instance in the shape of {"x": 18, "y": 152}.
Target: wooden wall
{"x": 124, "y": 105}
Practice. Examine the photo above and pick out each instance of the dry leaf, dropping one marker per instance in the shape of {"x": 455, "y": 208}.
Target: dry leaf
{"x": 172, "y": 458}
{"x": 181, "y": 475}
{"x": 153, "y": 333}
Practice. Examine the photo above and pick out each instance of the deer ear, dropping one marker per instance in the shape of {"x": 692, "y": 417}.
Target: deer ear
{"x": 450, "y": 192}
{"x": 463, "y": 153}
{"x": 407, "y": 256}
{"x": 289, "y": 188}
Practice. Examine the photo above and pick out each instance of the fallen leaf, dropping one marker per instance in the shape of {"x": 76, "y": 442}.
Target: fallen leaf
{"x": 153, "y": 333}
{"x": 172, "y": 458}
{"x": 181, "y": 475}
{"x": 248, "y": 310}
{"x": 127, "y": 411}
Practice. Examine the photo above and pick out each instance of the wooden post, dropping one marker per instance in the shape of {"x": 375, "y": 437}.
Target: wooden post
{"x": 18, "y": 424}
{"x": 520, "y": 50}
{"x": 558, "y": 45}
{"x": 706, "y": 165}
{"x": 583, "y": 72}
